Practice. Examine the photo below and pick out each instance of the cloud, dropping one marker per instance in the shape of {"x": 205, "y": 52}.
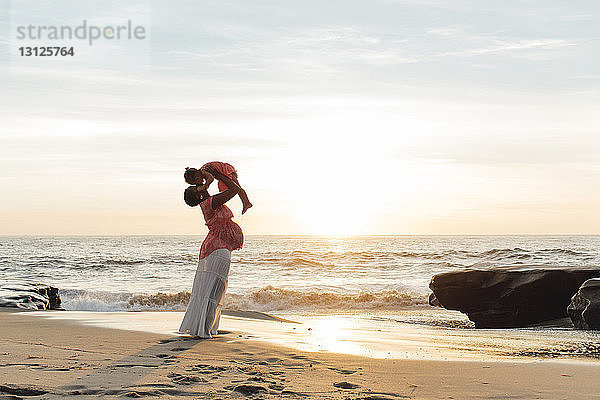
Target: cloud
{"x": 334, "y": 35}
{"x": 509, "y": 150}
{"x": 447, "y": 31}
{"x": 502, "y": 46}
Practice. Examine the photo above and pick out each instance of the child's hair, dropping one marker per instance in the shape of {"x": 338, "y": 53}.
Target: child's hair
{"x": 190, "y": 174}
{"x": 192, "y": 197}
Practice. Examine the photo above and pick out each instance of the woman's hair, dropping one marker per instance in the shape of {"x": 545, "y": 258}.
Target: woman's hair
{"x": 189, "y": 175}
{"x": 192, "y": 196}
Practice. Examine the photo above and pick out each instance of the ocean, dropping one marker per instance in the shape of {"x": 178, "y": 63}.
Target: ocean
{"x": 275, "y": 274}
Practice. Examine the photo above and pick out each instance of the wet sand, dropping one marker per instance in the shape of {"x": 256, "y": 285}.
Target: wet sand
{"x": 47, "y": 358}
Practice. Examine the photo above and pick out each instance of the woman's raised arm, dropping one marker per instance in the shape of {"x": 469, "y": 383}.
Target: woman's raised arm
{"x": 223, "y": 197}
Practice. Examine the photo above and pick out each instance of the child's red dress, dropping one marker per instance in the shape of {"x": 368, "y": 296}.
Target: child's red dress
{"x": 224, "y": 168}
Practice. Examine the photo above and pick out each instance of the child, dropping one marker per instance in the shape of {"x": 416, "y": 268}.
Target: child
{"x": 202, "y": 178}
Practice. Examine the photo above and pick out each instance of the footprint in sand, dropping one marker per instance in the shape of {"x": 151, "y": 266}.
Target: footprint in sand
{"x": 206, "y": 369}
{"x": 20, "y": 391}
{"x": 298, "y": 357}
{"x": 185, "y": 379}
{"x": 169, "y": 359}
{"x": 343, "y": 371}
{"x": 247, "y": 390}
{"x": 152, "y": 385}
{"x": 260, "y": 379}
{"x": 345, "y": 385}
{"x": 179, "y": 349}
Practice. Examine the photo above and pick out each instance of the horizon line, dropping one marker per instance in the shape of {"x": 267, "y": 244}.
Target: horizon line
{"x": 304, "y": 235}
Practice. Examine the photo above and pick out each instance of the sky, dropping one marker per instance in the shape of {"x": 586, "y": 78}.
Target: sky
{"x": 341, "y": 117}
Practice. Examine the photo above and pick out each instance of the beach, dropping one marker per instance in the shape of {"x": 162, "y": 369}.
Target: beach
{"x": 48, "y": 358}
{"x": 338, "y": 200}
{"x": 304, "y": 317}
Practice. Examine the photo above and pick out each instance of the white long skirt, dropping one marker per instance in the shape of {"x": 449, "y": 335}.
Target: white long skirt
{"x": 210, "y": 284}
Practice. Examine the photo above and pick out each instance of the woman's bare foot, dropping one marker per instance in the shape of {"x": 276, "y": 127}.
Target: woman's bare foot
{"x": 246, "y": 206}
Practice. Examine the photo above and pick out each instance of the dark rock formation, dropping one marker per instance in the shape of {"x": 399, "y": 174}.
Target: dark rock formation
{"x": 433, "y": 301}
{"x": 584, "y": 309}
{"x": 510, "y": 297}
{"x": 32, "y": 296}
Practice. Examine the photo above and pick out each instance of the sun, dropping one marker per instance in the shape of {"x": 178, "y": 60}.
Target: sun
{"x": 332, "y": 197}
{"x": 337, "y": 220}
{"x": 342, "y": 171}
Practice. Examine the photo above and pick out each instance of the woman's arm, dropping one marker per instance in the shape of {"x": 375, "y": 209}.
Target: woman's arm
{"x": 207, "y": 179}
{"x": 223, "y": 197}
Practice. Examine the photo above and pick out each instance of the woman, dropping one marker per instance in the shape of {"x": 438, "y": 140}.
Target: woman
{"x": 210, "y": 283}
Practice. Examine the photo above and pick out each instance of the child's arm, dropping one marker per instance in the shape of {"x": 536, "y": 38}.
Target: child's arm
{"x": 208, "y": 179}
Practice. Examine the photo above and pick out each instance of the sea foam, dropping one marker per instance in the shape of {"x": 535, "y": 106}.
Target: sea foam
{"x": 268, "y": 298}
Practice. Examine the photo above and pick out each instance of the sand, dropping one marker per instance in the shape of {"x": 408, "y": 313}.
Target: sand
{"x": 52, "y": 358}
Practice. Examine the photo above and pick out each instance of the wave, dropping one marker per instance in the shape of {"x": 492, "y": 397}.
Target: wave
{"x": 319, "y": 260}
{"x": 265, "y": 299}
{"x": 85, "y": 300}
{"x": 522, "y": 254}
{"x": 305, "y": 262}
{"x": 506, "y": 254}
{"x": 567, "y": 252}
{"x": 496, "y": 253}
{"x": 271, "y": 298}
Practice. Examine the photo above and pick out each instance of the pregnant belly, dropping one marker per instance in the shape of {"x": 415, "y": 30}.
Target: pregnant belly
{"x": 231, "y": 234}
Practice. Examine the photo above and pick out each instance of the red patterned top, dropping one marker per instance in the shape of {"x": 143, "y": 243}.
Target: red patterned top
{"x": 223, "y": 233}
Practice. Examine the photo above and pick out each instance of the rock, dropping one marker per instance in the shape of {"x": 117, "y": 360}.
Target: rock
{"x": 584, "y": 309}
{"x": 32, "y": 296}
{"x": 433, "y": 301}
{"x": 510, "y": 297}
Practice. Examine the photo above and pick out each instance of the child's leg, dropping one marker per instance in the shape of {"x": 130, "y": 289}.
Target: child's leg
{"x": 243, "y": 196}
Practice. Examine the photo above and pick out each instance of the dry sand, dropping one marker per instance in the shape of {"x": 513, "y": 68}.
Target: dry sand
{"x": 51, "y": 359}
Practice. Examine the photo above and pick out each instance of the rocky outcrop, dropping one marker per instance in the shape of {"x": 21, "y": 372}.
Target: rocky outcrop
{"x": 584, "y": 309}
{"x": 510, "y": 297}
{"x": 32, "y": 296}
{"x": 433, "y": 301}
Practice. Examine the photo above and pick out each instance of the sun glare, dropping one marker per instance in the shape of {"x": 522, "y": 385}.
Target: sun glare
{"x": 334, "y": 176}
{"x": 333, "y": 334}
